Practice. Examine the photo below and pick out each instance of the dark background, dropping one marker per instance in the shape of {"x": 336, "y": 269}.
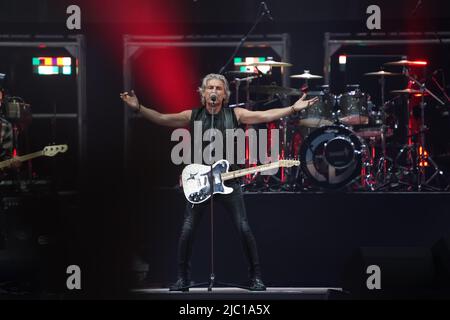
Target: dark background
{"x": 99, "y": 226}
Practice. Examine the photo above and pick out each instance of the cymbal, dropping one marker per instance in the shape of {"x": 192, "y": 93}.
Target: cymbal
{"x": 273, "y": 89}
{"x": 408, "y": 91}
{"x": 406, "y": 63}
{"x": 269, "y": 63}
{"x": 306, "y": 75}
{"x": 383, "y": 73}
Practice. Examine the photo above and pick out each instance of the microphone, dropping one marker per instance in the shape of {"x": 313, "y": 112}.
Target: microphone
{"x": 213, "y": 98}
{"x": 266, "y": 10}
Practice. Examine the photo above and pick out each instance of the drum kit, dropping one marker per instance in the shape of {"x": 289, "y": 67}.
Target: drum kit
{"x": 343, "y": 140}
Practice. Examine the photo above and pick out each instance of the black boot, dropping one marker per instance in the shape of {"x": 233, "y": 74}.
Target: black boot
{"x": 256, "y": 284}
{"x": 180, "y": 285}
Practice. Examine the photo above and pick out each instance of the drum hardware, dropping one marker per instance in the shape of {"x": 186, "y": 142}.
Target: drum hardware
{"x": 415, "y": 153}
{"x": 306, "y": 75}
{"x": 422, "y": 158}
{"x": 441, "y": 87}
{"x": 382, "y": 167}
{"x": 383, "y": 73}
{"x": 347, "y": 141}
{"x": 376, "y": 171}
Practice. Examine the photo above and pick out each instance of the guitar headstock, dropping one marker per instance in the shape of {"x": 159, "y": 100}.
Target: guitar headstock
{"x": 51, "y": 151}
{"x": 287, "y": 163}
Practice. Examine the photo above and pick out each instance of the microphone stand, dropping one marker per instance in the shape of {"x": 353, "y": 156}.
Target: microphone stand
{"x": 261, "y": 15}
{"x": 212, "y": 278}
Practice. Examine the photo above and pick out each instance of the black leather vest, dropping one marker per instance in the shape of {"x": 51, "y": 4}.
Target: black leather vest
{"x": 225, "y": 119}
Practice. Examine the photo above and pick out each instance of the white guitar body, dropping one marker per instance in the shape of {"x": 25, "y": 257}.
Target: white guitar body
{"x": 196, "y": 181}
{"x": 196, "y": 178}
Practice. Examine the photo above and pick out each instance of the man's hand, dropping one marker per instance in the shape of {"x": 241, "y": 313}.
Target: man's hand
{"x": 130, "y": 99}
{"x": 302, "y": 103}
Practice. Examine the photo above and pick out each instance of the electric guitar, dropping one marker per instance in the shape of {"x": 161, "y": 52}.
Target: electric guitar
{"x": 49, "y": 151}
{"x": 196, "y": 178}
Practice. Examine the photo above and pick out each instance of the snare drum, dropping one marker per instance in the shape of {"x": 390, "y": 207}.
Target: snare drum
{"x": 353, "y": 108}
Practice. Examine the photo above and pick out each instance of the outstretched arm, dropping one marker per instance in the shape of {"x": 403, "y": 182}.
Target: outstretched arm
{"x": 252, "y": 117}
{"x": 180, "y": 119}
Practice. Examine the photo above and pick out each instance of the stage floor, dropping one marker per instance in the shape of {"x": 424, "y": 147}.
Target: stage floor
{"x": 232, "y": 293}
{"x": 305, "y": 240}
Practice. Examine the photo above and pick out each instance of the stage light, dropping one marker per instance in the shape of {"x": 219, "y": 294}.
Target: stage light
{"x": 241, "y": 63}
{"x": 424, "y": 157}
{"x": 67, "y": 70}
{"x": 342, "y": 59}
{"x": 52, "y": 65}
{"x": 47, "y": 70}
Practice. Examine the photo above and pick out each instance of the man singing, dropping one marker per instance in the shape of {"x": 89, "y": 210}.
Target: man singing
{"x": 215, "y": 94}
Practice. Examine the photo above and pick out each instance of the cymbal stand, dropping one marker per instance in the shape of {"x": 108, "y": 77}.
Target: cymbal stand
{"x": 422, "y": 182}
{"x": 374, "y": 182}
{"x": 388, "y": 168}
{"x": 382, "y": 161}
{"x": 420, "y": 159}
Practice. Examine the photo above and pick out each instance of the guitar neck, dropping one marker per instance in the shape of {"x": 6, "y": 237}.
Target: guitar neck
{"x": 243, "y": 172}
{"x": 30, "y": 156}
{"x": 26, "y": 157}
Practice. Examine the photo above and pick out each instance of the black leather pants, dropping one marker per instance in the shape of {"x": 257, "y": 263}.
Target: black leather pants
{"x": 234, "y": 205}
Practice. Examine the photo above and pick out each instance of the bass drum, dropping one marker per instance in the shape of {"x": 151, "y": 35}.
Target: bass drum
{"x": 332, "y": 156}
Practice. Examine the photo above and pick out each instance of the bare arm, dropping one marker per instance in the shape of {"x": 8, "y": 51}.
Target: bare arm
{"x": 180, "y": 119}
{"x": 252, "y": 117}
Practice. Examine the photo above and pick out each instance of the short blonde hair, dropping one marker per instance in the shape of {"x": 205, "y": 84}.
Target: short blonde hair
{"x": 216, "y": 76}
